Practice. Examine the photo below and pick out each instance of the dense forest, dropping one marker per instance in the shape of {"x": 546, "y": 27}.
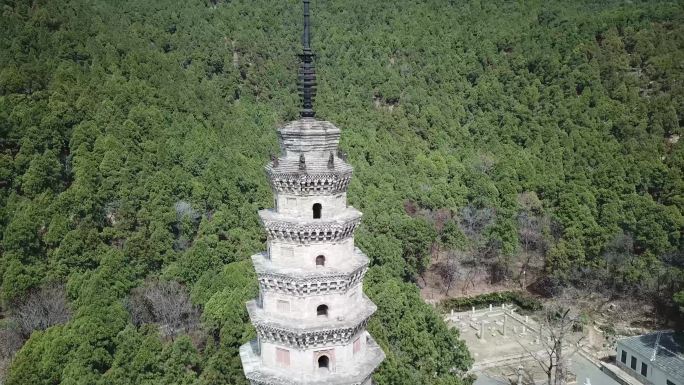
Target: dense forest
{"x": 525, "y": 135}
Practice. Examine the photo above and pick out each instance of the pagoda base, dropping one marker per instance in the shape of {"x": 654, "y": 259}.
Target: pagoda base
{"x": 257, "y": 374}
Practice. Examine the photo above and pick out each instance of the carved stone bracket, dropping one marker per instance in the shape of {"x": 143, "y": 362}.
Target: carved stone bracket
{"x": 308, "y": 232}
{"x": 308, "y": 339}
{"x": 312, "y": 285}
{"x": 308, "y": 184}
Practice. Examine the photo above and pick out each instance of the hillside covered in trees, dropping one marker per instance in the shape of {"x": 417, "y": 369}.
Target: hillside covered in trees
{"x": 528, "y": 135}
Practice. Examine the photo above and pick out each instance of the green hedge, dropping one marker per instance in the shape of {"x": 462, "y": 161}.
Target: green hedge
{"x": 522, "y": 300}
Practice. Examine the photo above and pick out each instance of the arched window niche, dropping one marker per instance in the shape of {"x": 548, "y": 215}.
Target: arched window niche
{"x": 324, "y": 362}
{"x": 317, "y": 208}
{"x": 320, "y": 261}
{"x": 322, "y": 311}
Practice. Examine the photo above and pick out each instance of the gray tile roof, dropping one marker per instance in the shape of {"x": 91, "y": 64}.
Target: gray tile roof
{"x": 670, "y": 353}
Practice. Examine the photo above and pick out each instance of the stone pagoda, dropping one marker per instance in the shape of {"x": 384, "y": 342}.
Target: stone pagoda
{"x": 311, "y": 313}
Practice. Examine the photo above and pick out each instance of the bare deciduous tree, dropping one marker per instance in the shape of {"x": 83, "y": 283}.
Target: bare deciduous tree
{"x": 41, "y": 309}
{"x": 10, "y": 342}
{"x": 530, "y": 232}
{"x": 473, "y": 221}
{"x": 471, "y": 270}
{"x": 166, "y": 303}
{"x": 450, "y": 270}
{"x": 557, "y": 326}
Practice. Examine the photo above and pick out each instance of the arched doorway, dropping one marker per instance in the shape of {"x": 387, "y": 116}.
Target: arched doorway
{"x": 320, "y": 261}
{"x": 317, "y": 208}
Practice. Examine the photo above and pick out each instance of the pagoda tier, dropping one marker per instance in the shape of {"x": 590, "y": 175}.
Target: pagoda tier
{"x": 357, "y": 371}
{"x": 310, "y": 163}
{"x": 308, "y": 135}
{"x": 301, "y": 282}
{"x": 319, "y": 179}
{"x": 286, "y": 228}
{"x": 310, "y": 332}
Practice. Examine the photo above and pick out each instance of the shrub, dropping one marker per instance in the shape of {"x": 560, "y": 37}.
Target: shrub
{"x": 524, "y": 301}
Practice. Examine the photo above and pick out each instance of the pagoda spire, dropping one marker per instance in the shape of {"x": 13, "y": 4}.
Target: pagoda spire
{"x": 307, "y": 72}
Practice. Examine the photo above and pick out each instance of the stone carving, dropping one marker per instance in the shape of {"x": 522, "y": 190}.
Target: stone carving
{"x": 307, "y": 184}
{"x": 302, "y": 162}
{"x": 310, "y": 233}
{"x": 314, "y": 285}
{"x": 308, "y": 339}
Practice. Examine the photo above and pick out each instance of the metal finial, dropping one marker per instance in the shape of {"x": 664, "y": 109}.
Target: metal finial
{"x": 306, "y": 36}
{"x": 307, "y": 72}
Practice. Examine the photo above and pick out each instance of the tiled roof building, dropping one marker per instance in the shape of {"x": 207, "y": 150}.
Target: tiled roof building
{"x": 655, "y": 358}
